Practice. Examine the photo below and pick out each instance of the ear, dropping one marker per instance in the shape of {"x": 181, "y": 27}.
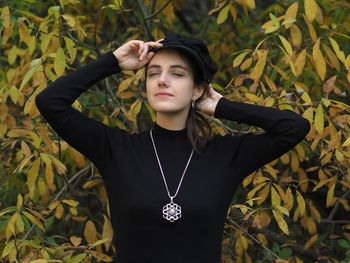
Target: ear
{"x": 198, "y": 91}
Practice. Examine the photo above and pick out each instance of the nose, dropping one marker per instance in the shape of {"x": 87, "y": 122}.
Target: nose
{"x": 162, "y": 80}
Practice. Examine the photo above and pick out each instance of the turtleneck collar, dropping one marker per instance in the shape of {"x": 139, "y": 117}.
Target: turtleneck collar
{"x": 162, "y": 132}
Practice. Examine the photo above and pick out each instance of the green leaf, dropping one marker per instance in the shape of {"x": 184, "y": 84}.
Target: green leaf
{"x": 343, "y": 243}
{"x": 285, "y": 253}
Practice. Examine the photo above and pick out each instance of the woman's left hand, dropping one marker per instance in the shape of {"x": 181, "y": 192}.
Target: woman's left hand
{"x": 208, "y": 104}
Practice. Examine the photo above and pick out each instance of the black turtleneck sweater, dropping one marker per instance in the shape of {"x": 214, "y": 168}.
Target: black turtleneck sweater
{"x": 135, "y": 187}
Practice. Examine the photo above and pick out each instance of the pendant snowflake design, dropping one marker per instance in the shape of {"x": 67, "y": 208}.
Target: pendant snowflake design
{"x": 172, "y": 211}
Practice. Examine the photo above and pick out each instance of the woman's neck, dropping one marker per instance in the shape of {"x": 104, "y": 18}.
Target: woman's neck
{"x": 171, "y": 121}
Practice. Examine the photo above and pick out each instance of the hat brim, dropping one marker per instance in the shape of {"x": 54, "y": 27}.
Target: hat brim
{"x": 188, "y": 51}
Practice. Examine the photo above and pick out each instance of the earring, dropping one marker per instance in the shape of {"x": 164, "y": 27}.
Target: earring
{"x": 193, "y": 101}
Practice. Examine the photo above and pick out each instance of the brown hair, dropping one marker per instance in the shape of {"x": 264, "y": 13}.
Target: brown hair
{"x": 199, "y": 130}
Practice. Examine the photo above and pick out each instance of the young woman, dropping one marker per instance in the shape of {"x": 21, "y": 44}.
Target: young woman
{"x": 169, "y": 187}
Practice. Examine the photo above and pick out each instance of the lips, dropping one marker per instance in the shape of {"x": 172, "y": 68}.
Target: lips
{"x": 163, "y": 94}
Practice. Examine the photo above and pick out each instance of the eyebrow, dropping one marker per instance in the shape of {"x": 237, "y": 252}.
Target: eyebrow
{"x": 172, "y": 66}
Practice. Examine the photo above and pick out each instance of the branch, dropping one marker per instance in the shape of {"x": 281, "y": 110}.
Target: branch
{"x": 59, "y": 195}
{"x": 254, "y": 239}
{"x": 298, "y": 249}
{"x": 148, "y": 32}
{"x": 336, "y": 206}
{"x": 159, "y": 10}
{"x": 95, "y": 29}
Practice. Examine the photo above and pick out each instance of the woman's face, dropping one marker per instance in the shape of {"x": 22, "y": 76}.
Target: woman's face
{"x": 168, "y": 72}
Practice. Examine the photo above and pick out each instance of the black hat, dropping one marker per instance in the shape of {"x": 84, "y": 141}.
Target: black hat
{"x": 195, "y": 48}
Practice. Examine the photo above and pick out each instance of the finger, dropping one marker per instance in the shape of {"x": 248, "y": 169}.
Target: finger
{"x": 160, "y": 40}
{"x": 149, "y": 55}
{"x": 144, "y": 52}
{"x": 152, "y": 43}
{"x": 141, "y": 49}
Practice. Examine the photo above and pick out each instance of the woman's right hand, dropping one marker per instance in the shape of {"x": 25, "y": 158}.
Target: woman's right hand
{"x": 133, "y": 54}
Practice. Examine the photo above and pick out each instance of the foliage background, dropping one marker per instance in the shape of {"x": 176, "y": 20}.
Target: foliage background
{"x": 284, "y": 54}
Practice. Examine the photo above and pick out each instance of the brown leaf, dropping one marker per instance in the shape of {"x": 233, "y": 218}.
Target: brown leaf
{"x": 328, "y": 86}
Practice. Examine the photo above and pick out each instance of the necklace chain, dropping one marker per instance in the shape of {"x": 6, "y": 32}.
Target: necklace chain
{"x": 160, "y": 166}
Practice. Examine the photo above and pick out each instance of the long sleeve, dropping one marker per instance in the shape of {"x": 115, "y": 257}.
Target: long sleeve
{"x": 88, "y": 136}
{"x": 283, "y": 130}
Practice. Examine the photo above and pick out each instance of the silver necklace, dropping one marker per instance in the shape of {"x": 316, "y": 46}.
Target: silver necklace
{"x": 171, "y": 211}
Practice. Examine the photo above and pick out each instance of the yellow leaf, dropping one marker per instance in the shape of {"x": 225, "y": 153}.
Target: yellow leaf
{"x": 9, "y": 246}
{"x": 319, "y": 119}
{"x": 118, "y": 3}
{"x": 253, "y": 191}
{"x": 286, "y": 45}
{"x": 282, "y": 209}
{"x": 309, "y": 243}
{"x": 70, "y": 20}
{"x": 311, "y": 28}
{"x": 315, "y": 214}
{"x": 107, "y": 232}
{"x": 151, "y": 111}
{"x": 246, "y": 64}
{"x": 260, "y": 65}
{"x": 233, "y": 12}
{"x": 71, "y": 202}
{"x": 71, "y": 49}
{"x": 283, "y": 74}
{"x": 60, "y": 62}
{"x": 320, "y": 63}
{"x": 332, "y": 57}
{"x": 295, "y": 35}
{"x": 347, "y": 63}
{"x": 34, "y": 220}
{"x": 75, "y": 240}
{"x": 59, "y": 211}
{"x": 32, "y": 176}
{"x": 271, "y": 29}
{"x": 291, "y": 13}
{"x": 124, "y": 85}
{"x": 300, "y": 62}
{"x": 40, "y": 261}
{"x": 330, "y": 195}
{"x": 10, "y": 228}
{"x": 49, "y": 176}
{"x": 99, "y": 242}
{"x": 301, "y": 203}
{"x": 238, "y": 60}
{"x": 290, "y": 199}
{"x": 275, "y": 198}
{"x": 23, "y": 32}
{"x": 250, "y": 3}
{"x": 263, "y": 194}
{"x": 270, "y": 83}
{"x": 14, "y": 94}
{"x": 280, "y": 221}
{"x": 29, "y": 74}
{"x": 90, "y": 232}
{"x": 45, "y": 39}
{"x": 19, "y": 224}
{"x": 5, "y": 16}
{"x": 19, "y": 201}
{"x": 223, "y": 15}
{"x": 135, "y": 109}
{"x": 309, "y": 114}
{"x": 305, "y": 97}
{"x": 319, "y": 16}
{"x": 340, "y": 54}
{"x": 310, "y": 9}
{"x": 347, "y": 142}
{"x": 60, "y": 167}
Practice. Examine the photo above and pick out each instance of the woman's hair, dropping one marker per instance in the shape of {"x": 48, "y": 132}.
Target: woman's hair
{"x": 198, "y": 127}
